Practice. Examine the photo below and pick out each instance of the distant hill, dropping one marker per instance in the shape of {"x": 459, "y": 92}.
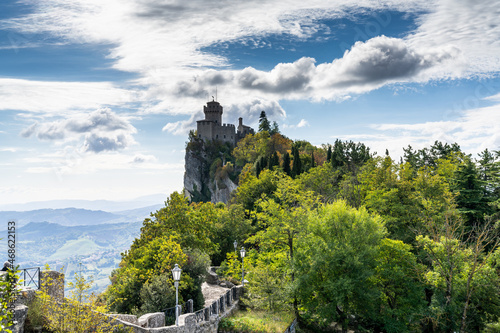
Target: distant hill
{"x": 96, "y": 247}
{"x": 77, "y": 216}
{"x": 104, "y": 205}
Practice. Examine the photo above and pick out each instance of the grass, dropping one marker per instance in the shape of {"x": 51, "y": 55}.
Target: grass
{"x": 256, "y": 322}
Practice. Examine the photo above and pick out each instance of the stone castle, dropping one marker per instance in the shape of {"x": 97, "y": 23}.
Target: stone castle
{"x": 212, "y": 128}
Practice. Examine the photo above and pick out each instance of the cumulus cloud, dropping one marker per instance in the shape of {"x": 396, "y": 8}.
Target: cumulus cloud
{"x": 54, "y": 97}
{"x": 380, "y": 60}
{"x": 101, "y": 130}
{"x": 177, "y": 71}
{"x": 284, "y": 78}
{"x": 474, "y": 130}
{"x": 97, "y": 143}
{"x": 366, "y": 66}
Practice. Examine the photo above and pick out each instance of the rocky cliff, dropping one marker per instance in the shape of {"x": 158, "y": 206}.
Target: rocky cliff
{"x": 199, "y": 185}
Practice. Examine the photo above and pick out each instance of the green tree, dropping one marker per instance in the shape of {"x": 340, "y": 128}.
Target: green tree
{"x": 335, "y": 263}
{"x": 252, "y": 188}
{"x": 232, "y": 225}
{"x": 138, "y": 266}
{"x": 322, "y": 180}
{"x": 8, "y": 291}
{"x": 465, "y": 285}
{"x": 297, "y": 164}
{"x": 251, "y": 147}
{"x": 472, "y": 199}
{"x": 274, "y": 128}
{"x": 157, "y": 294}
{"x": 282, "y": 218}
{"x": 398, "y": 277}
{"x": 264, "y": 124}
{"x": 286, "y": 164}
{"x": 329, "y": 154}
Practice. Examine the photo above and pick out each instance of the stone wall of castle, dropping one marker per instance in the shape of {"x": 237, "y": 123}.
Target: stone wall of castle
{"x": 212, "y": 128}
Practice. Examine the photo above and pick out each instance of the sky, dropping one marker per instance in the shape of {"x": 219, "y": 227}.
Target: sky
{"x": 97, "y": 97}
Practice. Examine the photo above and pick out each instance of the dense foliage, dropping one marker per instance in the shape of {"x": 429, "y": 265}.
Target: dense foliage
{"x": 336, "y": 235}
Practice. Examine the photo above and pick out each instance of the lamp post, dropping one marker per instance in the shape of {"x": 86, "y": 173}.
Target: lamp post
{"x": 242, "y": 252}
{"x": 235, "y": 246}
{"x": 176, "y": 272}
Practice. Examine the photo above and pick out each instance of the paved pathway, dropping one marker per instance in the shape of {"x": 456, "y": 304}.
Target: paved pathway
{"x": 211, "y": 292}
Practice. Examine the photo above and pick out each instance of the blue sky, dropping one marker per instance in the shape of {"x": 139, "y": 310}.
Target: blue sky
{"x": 97, "y": 97}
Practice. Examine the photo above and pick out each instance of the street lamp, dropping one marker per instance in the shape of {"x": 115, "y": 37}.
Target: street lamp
{"x": 242, "y": 252}
{"x": 235, "y": 246}
{"x": 176, "y": 272}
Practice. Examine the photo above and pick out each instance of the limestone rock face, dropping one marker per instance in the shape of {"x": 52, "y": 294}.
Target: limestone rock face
{"x": 223, "y": 193}
{"x": 197, "y": 183}
{"x": 195, "y": 166}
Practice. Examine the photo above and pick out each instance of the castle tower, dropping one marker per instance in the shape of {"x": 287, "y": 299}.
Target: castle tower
{"x": 213, "y": 112}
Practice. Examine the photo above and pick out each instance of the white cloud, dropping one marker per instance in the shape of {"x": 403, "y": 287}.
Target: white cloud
{"x": 453, "y": 38}
{"x": 471, "y": 26}
{"x": 474, "y": 130}
{"x": 54, "y": 97}
{"x": 100, "y": 130}
{"x": 145, "y": 39}
{"x": 302, "y": 123}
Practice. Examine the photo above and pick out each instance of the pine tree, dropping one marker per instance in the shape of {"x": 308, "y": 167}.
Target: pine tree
{"x": 313, "y": 164}
{"x": 264, "y": 124}
{"x": 286, "y": 164}
{"x": 329, "y": 153}
{"x": 297, "y": 164}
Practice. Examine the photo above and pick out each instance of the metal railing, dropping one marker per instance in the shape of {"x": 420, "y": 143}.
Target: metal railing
{"x": 30, "y": 277}
{"x": 170, "y": 312}
{"x": 218, "y": 307}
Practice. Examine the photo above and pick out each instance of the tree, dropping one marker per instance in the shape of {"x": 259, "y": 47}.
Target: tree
{"x": 472, "y": 199}
{"x": 252, "y": 188}
{"x": 192, "y": 225}
{"x": 8, "y": 291}
{"x": 329, "y": 154}
{"x": 251, "y": 147}
{"x": 231, "y": 226}
{"x": 322, "y": 180}
{"x": 461, "y": 275}
{"x": 282, "y": 218}
{"x": 139, "y": 265}
{"x": 335, "y": 263}
{"x": 297, "y": 164}
{"x": 274, "y": 129}
{"x": 286, "y": 164}
{"x": 264, "y": 124}
{"x": 80, "y": 312}
{"x": 398, "y": 277}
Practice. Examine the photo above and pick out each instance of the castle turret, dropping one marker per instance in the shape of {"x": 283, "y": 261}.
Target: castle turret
{"x": 213, "y": 112}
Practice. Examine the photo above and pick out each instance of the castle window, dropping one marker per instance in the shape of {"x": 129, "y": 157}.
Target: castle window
{"x": 217, "y": 136}
{"x": 224, "y": 136}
